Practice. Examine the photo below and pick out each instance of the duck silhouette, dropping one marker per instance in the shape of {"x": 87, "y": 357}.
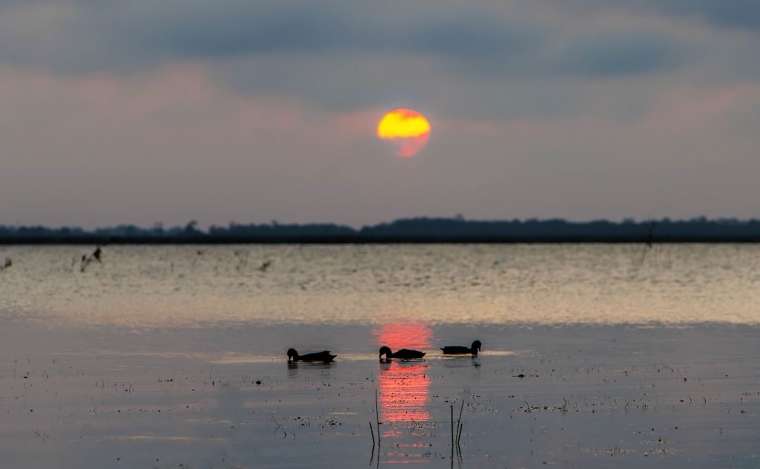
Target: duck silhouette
{"x": 461, "y": 350}
{"x": 324, "y": 356}
{"x": 403, "y": 354}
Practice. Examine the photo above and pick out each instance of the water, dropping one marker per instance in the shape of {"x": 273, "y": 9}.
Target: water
{"x": 174, "y": 357}
{"x": 479, "y": 284}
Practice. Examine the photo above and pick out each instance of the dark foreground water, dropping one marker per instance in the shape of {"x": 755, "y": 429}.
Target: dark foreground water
{"x": 574, "y": 396}
{"x": 593, "y": 357}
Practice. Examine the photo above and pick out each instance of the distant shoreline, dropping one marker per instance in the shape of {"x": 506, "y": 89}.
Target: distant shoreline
{"x": 404, "y": 231}
{"x": 379, "y": 241}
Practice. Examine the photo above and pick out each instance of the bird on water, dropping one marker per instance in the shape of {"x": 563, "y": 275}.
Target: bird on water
{"x": 462, "y": 350}
{"x": 324, "y": 356}
{"x": 403, "y": 354}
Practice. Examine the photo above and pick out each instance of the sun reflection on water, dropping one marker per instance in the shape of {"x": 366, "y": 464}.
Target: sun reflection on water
{"x": 404, "y": 386}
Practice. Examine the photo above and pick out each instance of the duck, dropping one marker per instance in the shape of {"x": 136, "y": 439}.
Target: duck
{"x": 403, "y": 354}
{"x": 462, "y": 350}
{"x": 324, "y": 356}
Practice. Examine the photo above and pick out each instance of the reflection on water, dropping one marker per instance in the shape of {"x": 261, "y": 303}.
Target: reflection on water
{"x": 323, "y": 368}
{"x": 406, "y": 335}
{"x": 404, "y": 387}
{"x": 404, "y": 392}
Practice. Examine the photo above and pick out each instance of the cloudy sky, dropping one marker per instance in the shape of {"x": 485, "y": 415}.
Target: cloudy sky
{"x": 237, "y": 110}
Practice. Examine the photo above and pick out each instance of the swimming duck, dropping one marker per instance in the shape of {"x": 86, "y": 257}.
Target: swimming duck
{"x": 324, "y": 356}
{"x": 403, "y": 354}
{"x": 461, "y": 350}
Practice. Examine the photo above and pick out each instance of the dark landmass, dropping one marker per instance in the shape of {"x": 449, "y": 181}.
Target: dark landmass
{"x": 414, "y": 230}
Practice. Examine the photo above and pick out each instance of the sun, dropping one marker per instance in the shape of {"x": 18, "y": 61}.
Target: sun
{"x": 406, "y": 128}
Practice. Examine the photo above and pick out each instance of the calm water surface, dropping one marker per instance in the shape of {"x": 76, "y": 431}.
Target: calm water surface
{"x": 542, "y": 284}
{"x": 594, "y": 356}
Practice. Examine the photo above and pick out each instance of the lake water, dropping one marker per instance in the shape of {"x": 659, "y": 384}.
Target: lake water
{"x": 173, "y": 357}
{"x": 481, "y": 284}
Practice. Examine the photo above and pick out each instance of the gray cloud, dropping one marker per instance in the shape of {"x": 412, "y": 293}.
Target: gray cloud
{"x": 80, "y": 35}
{"x": 743, "y": 14}
{"x": 739, "y": 14}
{"x": 487, "y": 59}
{"x": 620, "y": 55}
{"x": 140, "y": 33}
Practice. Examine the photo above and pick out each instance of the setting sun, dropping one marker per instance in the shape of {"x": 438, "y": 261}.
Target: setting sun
{"x": 407, "y": 129}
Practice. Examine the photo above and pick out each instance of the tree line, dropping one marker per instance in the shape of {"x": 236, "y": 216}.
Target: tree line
{"x": 410, "y": 230}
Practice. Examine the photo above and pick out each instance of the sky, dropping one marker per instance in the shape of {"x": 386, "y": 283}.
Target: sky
{"x": 250, "y": 111}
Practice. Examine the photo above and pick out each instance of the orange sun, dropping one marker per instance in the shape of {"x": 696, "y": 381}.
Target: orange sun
{"x": 407, "y": 129}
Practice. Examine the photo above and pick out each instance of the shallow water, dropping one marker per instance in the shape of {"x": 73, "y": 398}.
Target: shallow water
{"x": 594, "y": 356}
{"x": 497, "y": 284}
{"x": 571, "y": 396}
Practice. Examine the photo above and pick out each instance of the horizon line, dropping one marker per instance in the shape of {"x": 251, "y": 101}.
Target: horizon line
{"x": 195, "y": 225}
